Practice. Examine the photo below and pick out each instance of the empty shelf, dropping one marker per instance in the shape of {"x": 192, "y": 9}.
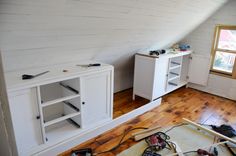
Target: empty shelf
{"x": 173, "y": 73}
{"x": 174, "y": 67}
{"x": 173, "y": 84}
{"x": 59, "y": 100}
{"x": 61, "y": 119}
{"x": 173, "y": 78}
{"x": 175, "y": 63}
{"x": 62, "y": 130}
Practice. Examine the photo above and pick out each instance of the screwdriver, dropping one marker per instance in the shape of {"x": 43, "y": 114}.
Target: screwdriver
{"x": 90, "y": 65}
{"x": 27, "y": 77}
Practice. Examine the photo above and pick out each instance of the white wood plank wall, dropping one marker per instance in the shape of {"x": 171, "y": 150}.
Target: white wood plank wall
{"x": 37, "y": 33}
{"x": 6, "y": 136}
{"x": 201, "y": 41}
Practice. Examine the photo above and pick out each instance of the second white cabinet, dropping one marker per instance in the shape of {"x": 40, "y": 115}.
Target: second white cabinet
{"x": 157, "y": 76}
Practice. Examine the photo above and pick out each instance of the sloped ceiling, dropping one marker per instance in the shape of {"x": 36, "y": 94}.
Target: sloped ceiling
{"x": 44, "y": 32}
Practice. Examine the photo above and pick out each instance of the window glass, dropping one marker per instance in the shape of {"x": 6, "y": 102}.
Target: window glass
{"x": 224, "y": 61}
{"x": 227, "y": 39}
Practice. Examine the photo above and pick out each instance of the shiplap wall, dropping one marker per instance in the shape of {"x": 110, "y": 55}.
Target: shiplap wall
{"x": 6, "y": 128}
{"x": 37, "y": 33}
{"x": 201, "y": 41}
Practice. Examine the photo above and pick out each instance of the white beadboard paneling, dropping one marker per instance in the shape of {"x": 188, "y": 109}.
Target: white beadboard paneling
{"x": 220, "y": 86}
{"x": 201, "y": 41}
{"x": 7, "y": 146}
{"x": 48, "y": 32}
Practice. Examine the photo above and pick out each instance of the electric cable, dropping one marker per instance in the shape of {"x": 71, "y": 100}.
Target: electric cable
{"x": 182, "y": 124}
{"x": 157, "y": 142}
{"x": 121, "y": 140}
{"x": 190, "y": 152}
{"x": 151, "y": 146}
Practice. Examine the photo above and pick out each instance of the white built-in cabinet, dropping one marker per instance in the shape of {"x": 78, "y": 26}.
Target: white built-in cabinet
{"x": 95, "y": 102}
{"x": 24, "y": 110}
{"x": 57, "y": 106}
{"x": 157, "y": 76}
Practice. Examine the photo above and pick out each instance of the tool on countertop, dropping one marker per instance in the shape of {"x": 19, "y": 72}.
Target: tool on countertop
{"x": 90, "y": 65}
{"x": 27, "y": 77}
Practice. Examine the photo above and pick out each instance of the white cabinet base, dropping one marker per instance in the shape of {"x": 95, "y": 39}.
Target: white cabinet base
{"x": 24, "y": 110}
{"x": 52, "y": 109}
{"x": 155, "y": 77}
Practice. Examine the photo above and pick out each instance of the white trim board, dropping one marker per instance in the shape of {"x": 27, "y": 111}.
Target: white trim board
{"x": 72, "y": 142}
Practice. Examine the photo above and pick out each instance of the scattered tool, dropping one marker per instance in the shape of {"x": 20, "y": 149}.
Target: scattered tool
{"x": 226, "y": 130}
{"x": 181, "y": 153}
{"x": 82, "y": 152}
{"x": 90, "y": 65}
{"x": 27, "y": 77}
{"x": 65, "y": 70}
{"x": 210, "y": 131}
{"x": 230, "y": 149}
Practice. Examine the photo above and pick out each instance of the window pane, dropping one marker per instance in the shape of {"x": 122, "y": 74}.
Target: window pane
{"x": 227, "y": 39}
{"x": 224, "y": 61}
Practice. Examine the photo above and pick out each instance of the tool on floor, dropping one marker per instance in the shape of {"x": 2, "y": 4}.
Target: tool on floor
{"x": 210, "y": 131}
{"x": 201, "y": 152}
{"x": 82, "y": 152}
{"x": 230, "y": 150}
{"x": 157, "y": 142}
{"x": 90, "y": 65}
{"x": 27, "y": 77}
{"x": 215, "y": 152}
{"x": 226, "y": 130}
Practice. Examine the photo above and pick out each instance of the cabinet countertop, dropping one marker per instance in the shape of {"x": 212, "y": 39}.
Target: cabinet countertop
{"x": 14, "y": 79}
{"x": 168, "y": 54}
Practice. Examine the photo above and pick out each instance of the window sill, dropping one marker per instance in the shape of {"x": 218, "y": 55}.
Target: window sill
{"x": 221, "y": 74}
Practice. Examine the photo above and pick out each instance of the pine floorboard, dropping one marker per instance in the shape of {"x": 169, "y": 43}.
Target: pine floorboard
{"x": 183, "y": 103}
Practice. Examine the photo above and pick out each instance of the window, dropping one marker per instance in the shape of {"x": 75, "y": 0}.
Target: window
{"x": 224, "y": 50}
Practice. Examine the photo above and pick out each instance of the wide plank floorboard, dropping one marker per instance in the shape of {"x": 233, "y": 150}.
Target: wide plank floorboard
{"x": 185, "y": 102}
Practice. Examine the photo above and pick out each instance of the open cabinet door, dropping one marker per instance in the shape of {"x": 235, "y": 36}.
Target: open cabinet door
{"x": 199, "y": 68}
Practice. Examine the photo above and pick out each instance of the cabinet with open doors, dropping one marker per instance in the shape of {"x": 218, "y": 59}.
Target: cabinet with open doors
{"x": 157, "y": 76}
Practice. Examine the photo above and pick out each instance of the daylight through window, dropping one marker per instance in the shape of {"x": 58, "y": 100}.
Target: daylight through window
{"x": 224, "y": 50}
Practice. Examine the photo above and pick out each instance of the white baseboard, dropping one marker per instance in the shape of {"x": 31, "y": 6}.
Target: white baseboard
{"x": 72, "y": 142}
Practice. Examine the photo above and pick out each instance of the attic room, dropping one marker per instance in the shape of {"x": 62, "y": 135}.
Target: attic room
{"x": 117, "y": 77}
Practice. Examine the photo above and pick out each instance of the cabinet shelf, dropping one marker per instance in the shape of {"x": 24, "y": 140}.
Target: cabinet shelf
{"x": 175, "y": 63}
{"x": 60, "y": 100}
{"x": 173, "y": 87}
{"x": 174, "y": 73}
{"x": 173, "y": 78}
{"x": 64, "y": 129}
{"x": 174, "y": 67}
{"x": 61, "y": 119}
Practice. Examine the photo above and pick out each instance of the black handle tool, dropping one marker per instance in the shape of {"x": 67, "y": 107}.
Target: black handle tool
{"x": 27, "y": 77}
{"x": 90, "y": 65}
{"x": 94, "y": 65}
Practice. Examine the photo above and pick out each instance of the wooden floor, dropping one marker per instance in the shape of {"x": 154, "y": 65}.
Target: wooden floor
{"x": 123, "y": 103}
{"x": 185, "y": 102}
